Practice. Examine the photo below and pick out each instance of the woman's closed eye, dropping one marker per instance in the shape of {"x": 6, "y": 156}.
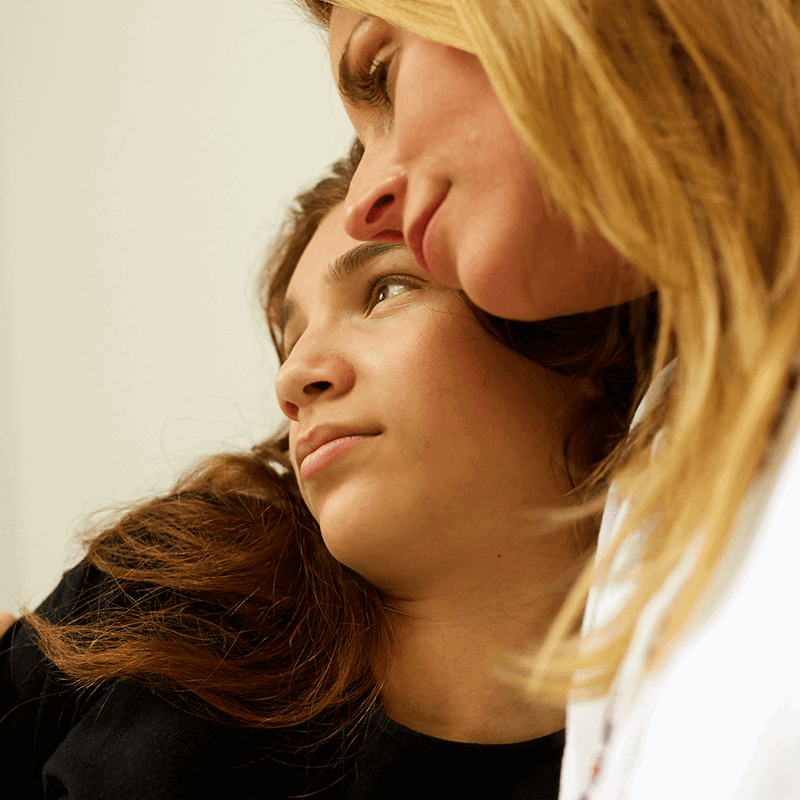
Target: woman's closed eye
{"x": 368, "y": 66}
{"x": 370, "y": 84}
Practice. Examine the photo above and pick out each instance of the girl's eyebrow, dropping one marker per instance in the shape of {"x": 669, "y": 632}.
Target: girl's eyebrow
{"x": 342, "y": 268}
{"x": 347, "y": 83}
{"x": 358, "y": 258}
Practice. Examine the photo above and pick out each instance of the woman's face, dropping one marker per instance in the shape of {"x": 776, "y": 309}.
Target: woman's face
{"x": 445, "y": 171}
{"x": 418, "y": 441}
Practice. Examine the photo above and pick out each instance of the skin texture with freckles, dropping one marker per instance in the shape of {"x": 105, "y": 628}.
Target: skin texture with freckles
{"x": 438, "y": 509}
{"x": 444, "y": 136}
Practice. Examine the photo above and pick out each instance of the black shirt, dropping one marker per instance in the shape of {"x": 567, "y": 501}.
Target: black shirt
{"x": 124, "y": 741}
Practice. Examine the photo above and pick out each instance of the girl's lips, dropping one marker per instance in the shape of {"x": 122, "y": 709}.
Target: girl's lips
{"x": 324, "y": 455}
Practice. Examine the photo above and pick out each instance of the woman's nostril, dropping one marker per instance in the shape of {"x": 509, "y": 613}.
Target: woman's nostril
{"x": 385, "y": 200}
{"x": 317, "y": 387}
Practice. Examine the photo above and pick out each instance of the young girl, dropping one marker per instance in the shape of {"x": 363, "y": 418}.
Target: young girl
{"x": 555, "y": 156}
{"x": 328, "y": 614}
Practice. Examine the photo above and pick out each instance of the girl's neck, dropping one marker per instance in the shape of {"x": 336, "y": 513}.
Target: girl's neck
{"x": 445, "y": 677}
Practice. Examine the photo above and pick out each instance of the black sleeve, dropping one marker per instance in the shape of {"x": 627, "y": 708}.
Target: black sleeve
{"x": 37, "y": 706}
{"x": 122, "y": 740}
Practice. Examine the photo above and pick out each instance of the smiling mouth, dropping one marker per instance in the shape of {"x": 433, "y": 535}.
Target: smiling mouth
{"x": 416, "y": 238}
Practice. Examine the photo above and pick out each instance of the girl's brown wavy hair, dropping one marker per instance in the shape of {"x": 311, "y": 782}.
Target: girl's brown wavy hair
{"x": 223, "y": 588}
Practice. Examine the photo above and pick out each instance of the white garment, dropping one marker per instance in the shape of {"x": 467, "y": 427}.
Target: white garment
{"x": 721, "y": 717}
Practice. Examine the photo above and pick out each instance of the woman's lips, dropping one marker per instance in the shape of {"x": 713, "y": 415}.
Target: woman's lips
{"x": 419, "y": 233}
{"x": 430, "y": 230}
{"x": 324, "y": 455}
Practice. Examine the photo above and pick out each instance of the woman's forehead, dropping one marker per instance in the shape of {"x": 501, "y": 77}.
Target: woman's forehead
{"x": 343, "y": 24}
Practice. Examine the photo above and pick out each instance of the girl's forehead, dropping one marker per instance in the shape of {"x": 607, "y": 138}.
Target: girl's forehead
{"x": 329, "y": 260}
{"x": 329, "y": 242}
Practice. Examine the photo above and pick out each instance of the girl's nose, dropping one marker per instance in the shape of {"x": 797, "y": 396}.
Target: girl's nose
{"x": 313, "y": 370}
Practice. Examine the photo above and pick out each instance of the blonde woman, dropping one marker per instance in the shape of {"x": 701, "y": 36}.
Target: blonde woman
{"x": 556, "y": 156}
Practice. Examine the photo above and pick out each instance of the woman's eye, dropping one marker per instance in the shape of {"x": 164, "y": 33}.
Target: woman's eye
{"x": 370, "y": 84}
{"x": 380, "y": 80}
{"x": 285, "y": 350}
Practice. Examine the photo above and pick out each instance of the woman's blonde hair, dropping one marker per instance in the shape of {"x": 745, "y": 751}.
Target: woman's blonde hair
{"x": 673, "y": 128}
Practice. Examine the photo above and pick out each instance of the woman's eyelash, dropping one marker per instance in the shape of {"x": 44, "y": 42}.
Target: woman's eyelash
{"x": 284, "y": 349}
{"x": 370, "y": 84}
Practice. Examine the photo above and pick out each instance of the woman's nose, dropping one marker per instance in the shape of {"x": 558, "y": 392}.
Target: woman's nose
{"x": 375, "y": 201}
{"x": 309, "y": 373}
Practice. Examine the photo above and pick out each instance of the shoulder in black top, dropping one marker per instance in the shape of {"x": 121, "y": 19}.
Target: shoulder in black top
{"x": 123, "y": 741}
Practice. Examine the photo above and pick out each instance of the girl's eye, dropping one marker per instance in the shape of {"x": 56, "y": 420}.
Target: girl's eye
{"x": 388, "y": 287}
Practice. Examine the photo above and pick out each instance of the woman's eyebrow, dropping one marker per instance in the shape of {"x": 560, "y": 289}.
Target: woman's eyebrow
{"x": 342, "y": 268}
{"x": 347, "y": 83}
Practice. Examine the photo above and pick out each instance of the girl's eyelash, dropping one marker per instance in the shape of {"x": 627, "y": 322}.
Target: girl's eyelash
{"x": 286, "y": 348}
{"x": 387, "y": 280}
{"x": 369, "y": 84}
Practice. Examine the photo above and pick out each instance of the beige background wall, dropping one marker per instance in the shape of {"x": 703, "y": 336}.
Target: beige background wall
{"x": 147, "y": 150}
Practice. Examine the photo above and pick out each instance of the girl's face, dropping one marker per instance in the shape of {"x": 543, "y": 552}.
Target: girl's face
{"x": 418, "y": 441}
{"x": 446, "y": 172}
